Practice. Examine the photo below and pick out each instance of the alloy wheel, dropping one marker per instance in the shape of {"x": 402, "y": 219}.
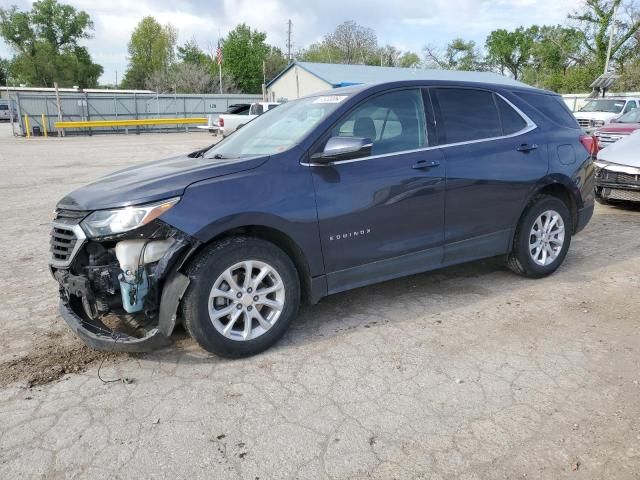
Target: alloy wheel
{"x": 546, "y": 238}
{"x": 246, "y": 300}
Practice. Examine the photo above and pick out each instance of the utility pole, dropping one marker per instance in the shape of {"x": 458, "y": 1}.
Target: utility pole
{"x": 611, "y": 35}
{"x": 289, "y": 44}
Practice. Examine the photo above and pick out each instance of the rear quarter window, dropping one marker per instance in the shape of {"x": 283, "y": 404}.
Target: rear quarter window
{"x": 511, "y": 120}
{"x": 552, "y": 107}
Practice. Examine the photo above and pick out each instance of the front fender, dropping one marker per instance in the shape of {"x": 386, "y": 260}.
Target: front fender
{"x": 278, "y": 195}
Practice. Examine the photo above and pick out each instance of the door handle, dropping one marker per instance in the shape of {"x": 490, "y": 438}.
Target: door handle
{"x": 526, "y": 147}
{"x": 424, "y": 165}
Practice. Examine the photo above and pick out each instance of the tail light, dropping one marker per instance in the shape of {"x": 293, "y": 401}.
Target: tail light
{"x": 221, "y": 121}
{"x": 590, "y": 143}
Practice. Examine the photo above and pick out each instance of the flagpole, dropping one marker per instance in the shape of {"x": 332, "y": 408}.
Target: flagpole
{"x": 219, "y": 57}
{"x": 220, "y": 71}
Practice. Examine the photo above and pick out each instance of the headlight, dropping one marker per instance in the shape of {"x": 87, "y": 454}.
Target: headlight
{"x": 110, "y": 222}
{"x": 597, "y": 123}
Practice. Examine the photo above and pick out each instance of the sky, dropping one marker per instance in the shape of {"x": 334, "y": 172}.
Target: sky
{"x": 408, "y": 25}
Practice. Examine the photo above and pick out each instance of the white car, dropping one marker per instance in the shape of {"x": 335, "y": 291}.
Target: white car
{"x": 600, "y": 111}
{"x": 618, "y": 171}
{"x": 229, "y": 122}
{"x": 7, "y": 112}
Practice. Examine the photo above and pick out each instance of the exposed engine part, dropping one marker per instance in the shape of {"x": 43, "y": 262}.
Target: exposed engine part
{"x": 129, "y": 253}
{"x": 132, "y": 256}
{"x": 91, "y": 297}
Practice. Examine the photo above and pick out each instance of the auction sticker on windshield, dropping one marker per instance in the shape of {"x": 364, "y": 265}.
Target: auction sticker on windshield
{"x": 330, "y": 99}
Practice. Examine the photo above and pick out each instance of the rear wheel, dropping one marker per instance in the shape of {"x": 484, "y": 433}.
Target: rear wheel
{"x": 244, "y": 292}
{"x": 542, "y": 239}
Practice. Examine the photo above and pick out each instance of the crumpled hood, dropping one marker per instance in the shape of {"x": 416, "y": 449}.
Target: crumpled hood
{"x": 623, "y": 152}
{"x": 152, "y": 181}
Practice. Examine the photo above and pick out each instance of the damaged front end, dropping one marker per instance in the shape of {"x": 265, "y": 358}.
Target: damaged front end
{"x": 119, "y": 291}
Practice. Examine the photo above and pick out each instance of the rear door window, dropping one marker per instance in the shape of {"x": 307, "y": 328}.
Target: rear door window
{"x": 552, "y": 107}
{"x": 4, "y": 107}
{"x": 467, "y": 114}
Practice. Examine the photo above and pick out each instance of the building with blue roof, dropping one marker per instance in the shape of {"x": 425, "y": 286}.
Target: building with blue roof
{"x": 299, "y": 79}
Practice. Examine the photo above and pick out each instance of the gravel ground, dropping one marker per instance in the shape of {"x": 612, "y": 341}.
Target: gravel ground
{"x": 469, "y": 372}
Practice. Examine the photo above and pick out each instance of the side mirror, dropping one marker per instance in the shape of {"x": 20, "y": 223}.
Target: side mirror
{"x": 343, "y": 148}
{"x": 613, "y": 120}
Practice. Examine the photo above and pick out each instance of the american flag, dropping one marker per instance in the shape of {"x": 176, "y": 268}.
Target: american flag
{"x": 219, "y": 53}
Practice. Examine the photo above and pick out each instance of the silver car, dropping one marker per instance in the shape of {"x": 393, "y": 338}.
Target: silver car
{"x": 618, "y": 172}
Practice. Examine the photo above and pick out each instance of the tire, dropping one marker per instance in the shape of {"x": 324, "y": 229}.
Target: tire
{"x": 521, "y": 259}
{"x": 203, "y": 307}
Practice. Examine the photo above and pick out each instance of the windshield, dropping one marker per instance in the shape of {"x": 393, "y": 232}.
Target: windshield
{"x": 609, "y": 106}
{"x": 278, "y": 129}
{"x": 630, "y": 117}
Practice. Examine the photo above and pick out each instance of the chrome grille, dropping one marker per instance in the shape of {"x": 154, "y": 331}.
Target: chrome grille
{"x": 66, "y": 237}
{"x": 617, "y": 194}
{"x": 609, "y": 138}
{"x": 583, "y": 122}
{"x": 617, "y": 177}
{"x": 63, "y": 242}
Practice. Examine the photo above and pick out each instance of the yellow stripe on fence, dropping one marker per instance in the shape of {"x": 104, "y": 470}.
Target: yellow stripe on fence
{"x": 131, "y": 123}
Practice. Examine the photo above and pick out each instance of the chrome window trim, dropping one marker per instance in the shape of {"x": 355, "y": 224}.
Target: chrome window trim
{"x": 80, "y": 240}
{"x": 530, "y": 126}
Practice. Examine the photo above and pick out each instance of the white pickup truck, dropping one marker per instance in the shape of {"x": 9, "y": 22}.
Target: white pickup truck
{"x": 227, "y": 123}
{"x": 598, "y": 112}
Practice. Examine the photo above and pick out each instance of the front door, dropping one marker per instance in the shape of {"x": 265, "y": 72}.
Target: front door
{"x": 382, "y": 216}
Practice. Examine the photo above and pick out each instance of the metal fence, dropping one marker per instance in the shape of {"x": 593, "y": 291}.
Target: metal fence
{"x": 97, "y": 106}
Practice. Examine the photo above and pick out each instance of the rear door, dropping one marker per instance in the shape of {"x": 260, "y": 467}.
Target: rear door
{"x": 494, "y": 156}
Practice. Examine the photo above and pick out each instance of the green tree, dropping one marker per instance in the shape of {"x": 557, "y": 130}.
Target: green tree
{"x": 354, "y": 44}
{"x": 595, "y": 22}
{"x": 46, "y": 44}
{"x": 190, "y": 52}
{"x": 555, "y": 57}
{"x": 151, "y": 49}
{"x": 630, "y": 78}
{"x": 409, "y": 60}
{"x": 243, "y": 52}
{"x": 458, "y": 55}
{"x": 349, "y": 43}
{"x": 389, "y": 56}
{"x": 320, "y": 52}
{"x": 511, "y": 51}
{"x": 274, "y": 62}
{"x": 4, "y": 71}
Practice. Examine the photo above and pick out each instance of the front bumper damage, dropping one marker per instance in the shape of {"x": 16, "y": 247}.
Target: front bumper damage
{"x": 617, "y": 182}
{"x": 91, "y": 280}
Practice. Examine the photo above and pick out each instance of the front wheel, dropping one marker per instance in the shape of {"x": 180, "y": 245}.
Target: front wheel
{"x": 243, "y": 295}
{"x": 542, "y": 238}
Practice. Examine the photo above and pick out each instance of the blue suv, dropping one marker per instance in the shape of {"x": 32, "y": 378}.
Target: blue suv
{"x": 321, "y": 195}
